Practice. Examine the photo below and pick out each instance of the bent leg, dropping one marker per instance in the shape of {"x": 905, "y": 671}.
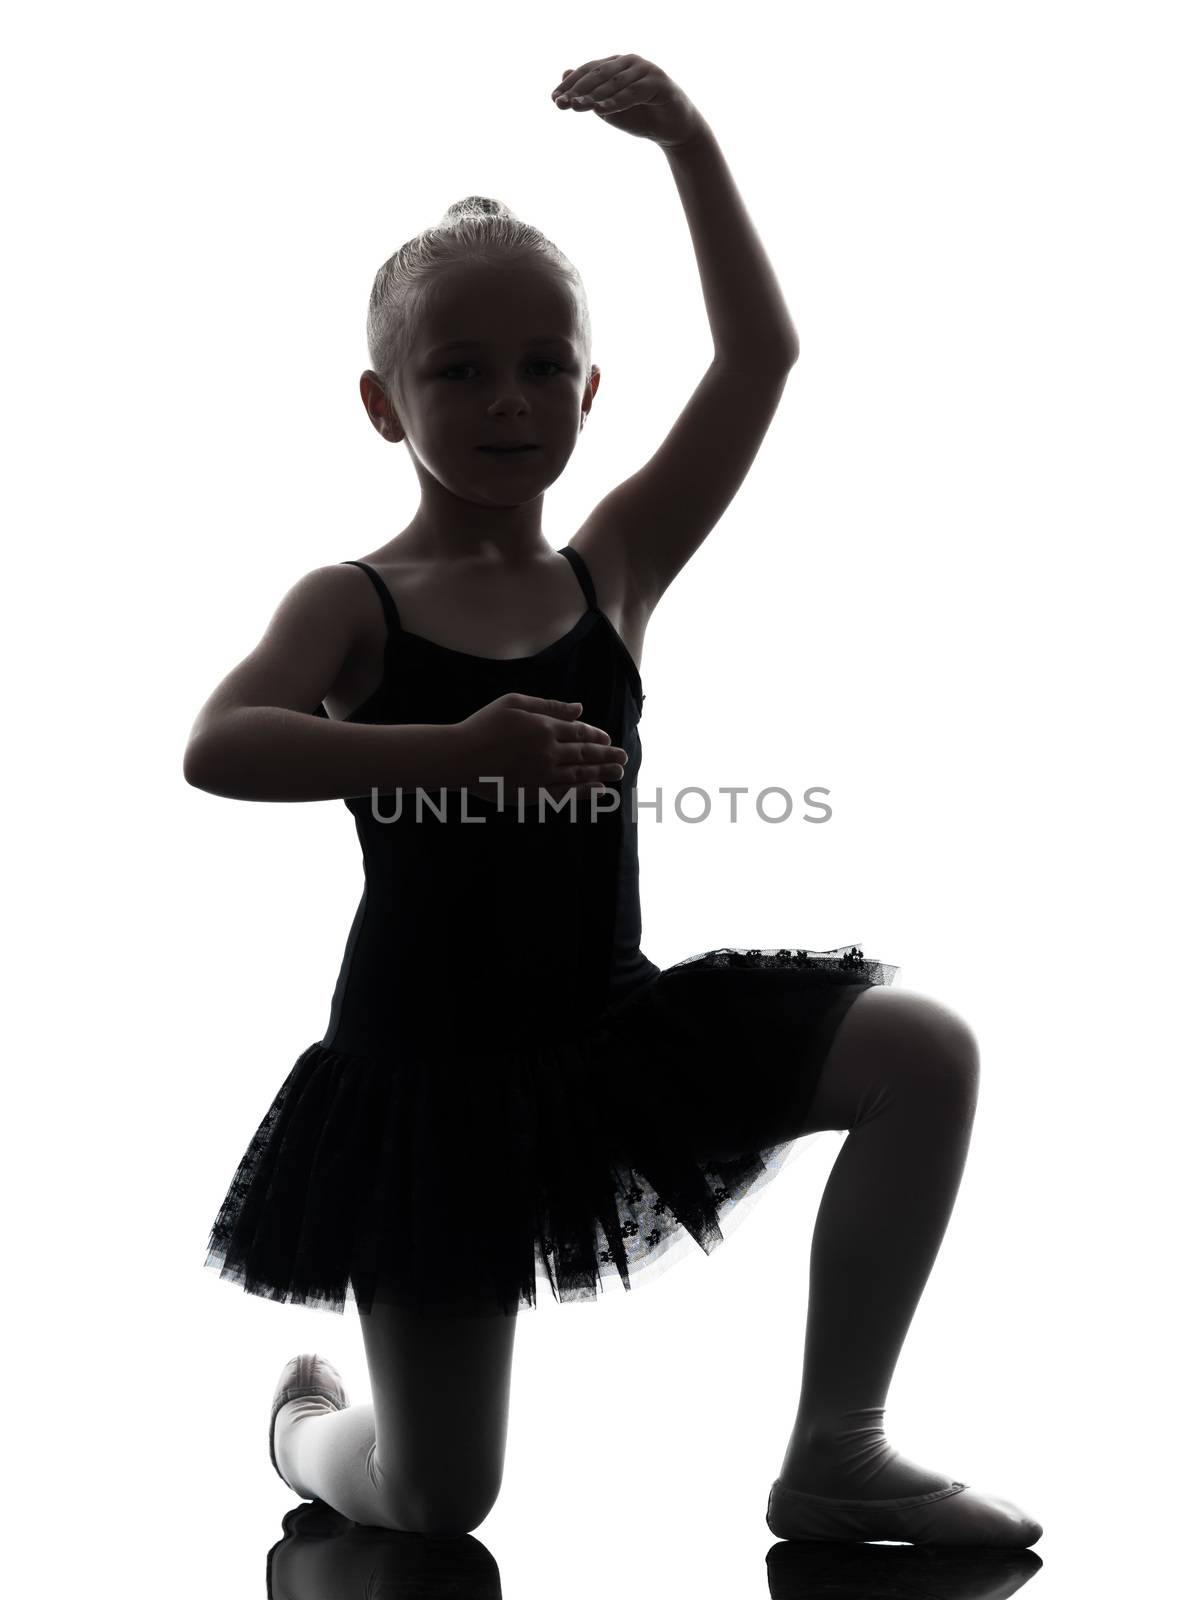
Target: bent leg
{"x": 902, "y": 1077}
{"x": 426, "y": 1456}
{"x": 441, "y": 1387}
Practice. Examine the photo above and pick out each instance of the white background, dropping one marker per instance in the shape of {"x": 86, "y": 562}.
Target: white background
{"x": 953, "y": 590}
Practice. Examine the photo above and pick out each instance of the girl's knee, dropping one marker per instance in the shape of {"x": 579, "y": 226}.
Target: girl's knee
{"x": 933, "y": 1050}
{"x": 448, "y": 1515}
{"x": 896, "y": 1047}
{"x": 451, "y": 1503}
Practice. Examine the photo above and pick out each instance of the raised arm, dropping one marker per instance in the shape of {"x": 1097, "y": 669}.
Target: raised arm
{"x": 650, "y": 525}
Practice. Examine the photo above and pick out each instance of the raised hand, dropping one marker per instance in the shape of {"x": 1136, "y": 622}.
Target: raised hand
{"x": 633, "y": 94}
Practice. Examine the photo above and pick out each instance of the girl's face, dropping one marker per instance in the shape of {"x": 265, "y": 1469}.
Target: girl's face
{"x": 496, "y": 360}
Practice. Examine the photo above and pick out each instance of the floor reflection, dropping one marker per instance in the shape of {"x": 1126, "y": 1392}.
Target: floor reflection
{"x": 895, "y": 1572}
{"x": 324, "y": 1556}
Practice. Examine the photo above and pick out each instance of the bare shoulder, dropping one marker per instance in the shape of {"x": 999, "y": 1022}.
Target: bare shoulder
{"x": 339, "y": 603}
{"x": 335, "y": 603}
{"x": 306, "y": 647}
{"x": 336, "y": 591}
{"x": 339, "y": 581}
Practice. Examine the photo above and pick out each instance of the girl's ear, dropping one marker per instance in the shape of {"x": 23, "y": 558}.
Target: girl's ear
{"x": 377, "y": 405}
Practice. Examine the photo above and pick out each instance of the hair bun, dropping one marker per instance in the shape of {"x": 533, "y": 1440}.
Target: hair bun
{"x": 477, "y": 205}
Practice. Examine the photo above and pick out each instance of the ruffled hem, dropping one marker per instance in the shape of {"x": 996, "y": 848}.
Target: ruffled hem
{"x": 459, "y": 1180}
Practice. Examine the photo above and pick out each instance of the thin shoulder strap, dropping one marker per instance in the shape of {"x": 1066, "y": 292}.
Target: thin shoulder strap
{"x": 583, "y": 574}
{"x": 389, "y": 609}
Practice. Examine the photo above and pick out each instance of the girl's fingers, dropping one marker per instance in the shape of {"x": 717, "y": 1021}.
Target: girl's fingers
{"x": 587, "y": 80}
{"x": 599, "y": 64}
{"x": 618, "y": 101}
{"x": 570, "y": 753}
{"x": 627, "y": 85}
{"x": 596, "y": 756}
{"x": 580, "y": 733}
{"x": 608, "y": 96}
{"x": 595, "y": 762}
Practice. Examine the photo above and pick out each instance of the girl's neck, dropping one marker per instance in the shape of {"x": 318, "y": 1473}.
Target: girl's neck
{"x": 483, "y": 548}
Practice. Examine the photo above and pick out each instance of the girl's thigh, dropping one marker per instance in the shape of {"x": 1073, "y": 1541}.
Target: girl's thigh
{"x": 889, "y": 1045}
{"x": 441, "y": 1390}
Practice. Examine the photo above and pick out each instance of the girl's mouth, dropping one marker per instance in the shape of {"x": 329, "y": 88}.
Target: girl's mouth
{"x": 508, "y": 449}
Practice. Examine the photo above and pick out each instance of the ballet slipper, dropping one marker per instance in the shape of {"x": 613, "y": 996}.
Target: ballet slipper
{"x": 305, "y": 1375}
{"x": 956, "y": 1515}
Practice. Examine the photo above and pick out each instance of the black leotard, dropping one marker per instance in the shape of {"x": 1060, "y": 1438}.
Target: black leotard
{"x": 540, "y": 918}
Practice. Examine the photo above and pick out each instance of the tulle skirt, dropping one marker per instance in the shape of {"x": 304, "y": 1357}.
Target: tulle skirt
{"x": 456, "y": 1180}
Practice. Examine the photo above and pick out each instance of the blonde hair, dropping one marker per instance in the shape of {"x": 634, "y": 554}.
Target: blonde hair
{"x": 474, "y": 229}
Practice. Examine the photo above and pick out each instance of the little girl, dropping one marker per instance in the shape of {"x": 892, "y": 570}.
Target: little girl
{"x": 508, "y": 1085}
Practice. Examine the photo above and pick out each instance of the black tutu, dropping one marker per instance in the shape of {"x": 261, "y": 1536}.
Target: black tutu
{"x": 454, "y": 1178}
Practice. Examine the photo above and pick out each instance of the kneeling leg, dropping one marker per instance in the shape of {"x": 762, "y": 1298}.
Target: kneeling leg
{"x": 426, "y": 1456}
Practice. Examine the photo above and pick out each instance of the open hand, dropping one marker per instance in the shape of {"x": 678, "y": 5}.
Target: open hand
{"x": 533, "y": 743}
{"x": 633, "y": 94}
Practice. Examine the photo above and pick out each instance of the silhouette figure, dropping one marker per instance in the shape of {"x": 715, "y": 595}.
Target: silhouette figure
{"x": 509, "y": 1090}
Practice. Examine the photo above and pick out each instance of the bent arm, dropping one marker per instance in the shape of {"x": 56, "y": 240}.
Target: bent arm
{"x": 273, "y": 753}
{"x": 257, "y": 738}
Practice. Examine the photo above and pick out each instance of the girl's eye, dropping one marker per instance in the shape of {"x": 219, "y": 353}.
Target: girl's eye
{"x": 543, "y": 361}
